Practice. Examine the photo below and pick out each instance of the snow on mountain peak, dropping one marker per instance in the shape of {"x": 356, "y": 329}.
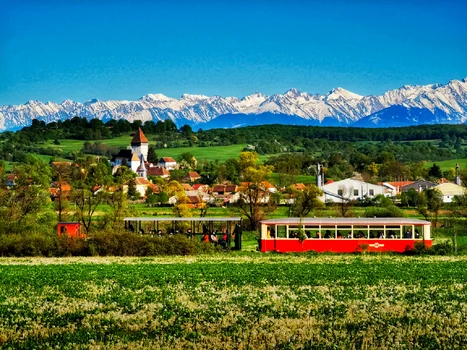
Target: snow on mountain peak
{"x": 339, "y": 106}
{"x": 339, "y": 92}
{"x": 155, "y": 97}
{"x": 190, "y": 97}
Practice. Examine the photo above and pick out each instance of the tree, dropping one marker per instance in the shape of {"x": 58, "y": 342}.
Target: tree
{"x": 152, "y": 155}
{"x": 186, "y": 130}
{"x": 181, "y": 208}
{"x": 89, "y": 180}
{"x": 345, "y": 204}
{"x": 435, "y": 172}
{"x": 187, "y": 160}
{"x": 429, "y": 203}
{"x": 117, "y": 199}
{"x": 306, "y": 201}
{"x": 22, "y": 203}
{"x": 61, "y": 172}
{"x": 131, "y": 193}
{"x": 253, "y": 192}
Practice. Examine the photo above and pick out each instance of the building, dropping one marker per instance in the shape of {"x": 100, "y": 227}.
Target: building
{"x": 60, "y": 188}
{"x": 140, "y": 144}
{"x": 153, "y": 170}
{"x": 167, "y": 162}
{"x": 352, "y": 189}
{"x": 142, "y": 185}
{"x": 191, "y": 176}
{"x": 449, "y": 190}
{"x": 418, "y": 185}
{"x": 395, "y": 186}
{"x": 134, "y": 156}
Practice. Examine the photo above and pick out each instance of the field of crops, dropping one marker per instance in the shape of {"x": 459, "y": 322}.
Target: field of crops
{"x": 236, "y": 301}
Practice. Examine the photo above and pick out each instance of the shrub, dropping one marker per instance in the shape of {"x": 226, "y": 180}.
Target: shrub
{"x": 102, "y": 243}
{"x": 444, "y": 248}
{"x": 384, "y": 212}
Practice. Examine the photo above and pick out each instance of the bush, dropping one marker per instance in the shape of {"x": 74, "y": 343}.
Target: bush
{"x": 102, "y": 243}
{"x": 384, "y": 212}
{"x": 440, "y": 249}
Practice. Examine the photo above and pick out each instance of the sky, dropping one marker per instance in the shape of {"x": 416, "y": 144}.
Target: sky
{"x": 81, "y": 49}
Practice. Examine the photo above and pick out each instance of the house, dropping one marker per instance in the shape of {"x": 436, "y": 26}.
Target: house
{"x": 187, "y": 187}
{"x": 201, "y": 188}
{"x": 59, "y": 188}
{"x": 298, "y": 187}
{"x": 395, "y": 186}
{"x": 142, "y": 185}
{"x": 167, "y": 162}
{"x": 449, "y": 190}
{"x": 224, "y": 189}
{"x": 226, "y": 193}
{"x": 191, "y": 176}
{"x": 11, "y": 180}
{"x": 418, "y": 185}
{"x": 153, "y": 170}
{"x": 264, "y": 189}
{"x": 264, "y": 184}
{"x": 351, "y": 189}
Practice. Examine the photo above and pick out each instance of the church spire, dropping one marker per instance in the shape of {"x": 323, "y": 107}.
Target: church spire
{"x": 139, "y": 138}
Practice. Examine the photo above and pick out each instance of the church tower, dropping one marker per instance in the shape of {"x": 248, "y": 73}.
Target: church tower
{"x": 140, "y": 144}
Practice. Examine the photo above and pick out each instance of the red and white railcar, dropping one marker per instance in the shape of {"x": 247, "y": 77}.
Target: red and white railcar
{"x": 342, "y": 235}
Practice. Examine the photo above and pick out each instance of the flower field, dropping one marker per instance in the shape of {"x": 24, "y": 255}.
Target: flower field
{"x": 236, "y": 301}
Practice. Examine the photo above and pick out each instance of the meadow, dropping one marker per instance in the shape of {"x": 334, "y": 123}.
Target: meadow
{"x": 234, "y": 301}
{"x": 449, "y": 164}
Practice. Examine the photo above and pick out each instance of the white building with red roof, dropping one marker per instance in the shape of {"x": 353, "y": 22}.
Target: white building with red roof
{"x": 134, "y": 156}
{"x": 168, "y": 162}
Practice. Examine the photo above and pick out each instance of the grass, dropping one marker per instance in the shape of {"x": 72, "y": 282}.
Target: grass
{"x": 449, "y": 164}
{"x": 234, "y": 301}
{"x": 221, "y": 153}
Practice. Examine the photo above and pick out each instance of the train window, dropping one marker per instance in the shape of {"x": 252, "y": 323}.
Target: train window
{"x": 281, "y": 231}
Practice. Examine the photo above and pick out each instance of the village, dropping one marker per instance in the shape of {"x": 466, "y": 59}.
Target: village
{"x": 135, "y": 158}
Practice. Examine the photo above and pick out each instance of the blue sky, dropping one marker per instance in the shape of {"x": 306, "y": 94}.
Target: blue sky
{"x": 56, "y": 50}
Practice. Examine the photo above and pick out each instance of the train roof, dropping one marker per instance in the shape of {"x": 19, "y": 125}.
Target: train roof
{"x": 346, "y": 221}
{"x": 220, "y": 219}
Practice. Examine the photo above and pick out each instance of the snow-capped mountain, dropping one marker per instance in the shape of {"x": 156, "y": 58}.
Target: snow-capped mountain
{"x": 408, "y": 105}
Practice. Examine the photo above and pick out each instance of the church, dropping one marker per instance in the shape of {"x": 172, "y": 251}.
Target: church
{"x": 135, "y": 156}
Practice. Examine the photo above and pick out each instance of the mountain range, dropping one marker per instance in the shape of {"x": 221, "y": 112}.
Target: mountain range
{"x": 408, "y": 105}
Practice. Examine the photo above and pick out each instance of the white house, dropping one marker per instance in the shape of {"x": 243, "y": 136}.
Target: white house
{"x": 142, "y": 185}
{"x": 449, "y": 190}
{"x": 352, "y": 189}
{"x": 167, "y": 162}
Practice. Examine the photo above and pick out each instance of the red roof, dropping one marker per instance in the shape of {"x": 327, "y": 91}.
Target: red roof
{"x": 157, "y": 171}
{"x": 195, "y": 199}
{"x": 225, "y": 188}
{"x": 142, "y": 181}
{"x": 198, "y": 186}
{"x": 168, "y": 160}
{"x": 65, "y": 185}
{"x": 139, "y": 137}
{"x": 187, "y": 187}
{"x": 299, "y": 186}
{"x": 192, "y": 175}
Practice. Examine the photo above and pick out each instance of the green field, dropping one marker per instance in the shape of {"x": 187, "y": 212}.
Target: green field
{"x": 449, "y": 164}
{"x": 234, "y": 301}
{"x": 220, "y": 153}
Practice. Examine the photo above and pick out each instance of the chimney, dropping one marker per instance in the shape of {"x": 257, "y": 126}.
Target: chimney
{"x": 457, "y": 181}
{"x": 319, "y": 181}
